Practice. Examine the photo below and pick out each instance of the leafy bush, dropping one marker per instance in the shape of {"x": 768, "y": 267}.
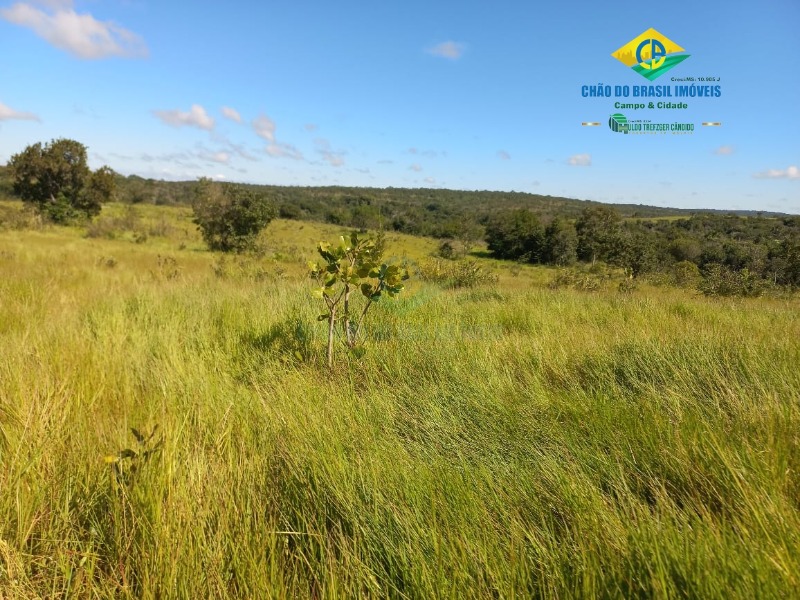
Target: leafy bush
{"x": 455, "y": 274}
{"x": 230, "y": 217}
{"x": 686, "y": 274}
{"x": 719, "y": 280}
{"x": 628, "y": 286}
{"x": 24, "y": 218}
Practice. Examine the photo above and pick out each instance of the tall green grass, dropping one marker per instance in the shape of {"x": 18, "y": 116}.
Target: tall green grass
{"x": 507, "y": 442}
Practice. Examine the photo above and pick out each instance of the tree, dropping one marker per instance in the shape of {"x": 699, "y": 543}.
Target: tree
{"x": 101, "y": 187}
{"x": 56, "y": 178}
{"x": 598, "y": 229}
{"x": 517, "y": 235}
{"x": 230, "y": 217}
{"x": 560, "y": 243}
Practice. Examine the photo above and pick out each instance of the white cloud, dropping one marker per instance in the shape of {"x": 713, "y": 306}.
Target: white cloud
{"x": 334, "y": 158}
{"x": 231, "y": 113}
{"x": 503, "y": 155}
{"x": 415, "y": 167}
{"x": 792, "y": 172}
{"x": 451, "y": 50}
{"x": 81, "y": 35}
{"x": 264, "y": 128}
{"x": 9, "y": 114}
{"x": 279, "y": 150}
{"x": 222, "y": 158}
{"x": 724, "y": 150}
{"x": 311, "y": 127}
{"x": 580, "y": 160}
{"x": 196, "y": 117}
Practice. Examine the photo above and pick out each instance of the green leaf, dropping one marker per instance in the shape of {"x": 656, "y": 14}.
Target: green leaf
{"x": 139, "y": 437}
{"x": 323, "y": 317}
{"x": 318, "y": 293}
{"x": 329, "y": 292}
{"x": 367, "y": 289}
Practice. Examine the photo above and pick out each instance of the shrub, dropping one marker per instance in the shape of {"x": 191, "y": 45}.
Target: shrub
{"x": 584, "y": 282}
{"x": 455, "y": 274}
{"x": 230, "y": 217}
{"x": 686, "y": 274}
{"x": 718, "y": 280}
{"x": 22, "y": 218}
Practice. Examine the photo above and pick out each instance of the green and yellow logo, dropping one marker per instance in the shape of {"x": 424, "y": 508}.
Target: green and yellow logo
{"x": 650, "y": 54}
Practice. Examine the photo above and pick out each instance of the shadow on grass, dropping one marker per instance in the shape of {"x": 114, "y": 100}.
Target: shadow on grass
{"x": 291, "y": 338}
{"x": 480, "y": 254}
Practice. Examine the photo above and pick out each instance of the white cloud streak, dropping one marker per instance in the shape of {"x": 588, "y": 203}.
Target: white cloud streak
{"x": 792, "y": 172}
{"x": 81, "y": 35}
{"x": 9, "y": 114}
{"x": 334, "y": 158}
{"x": 580, "y": 160}
{"x": 264, "y": 128}
{"x": 232, "y": 114}
{"x": 450, "y": 50}
{"x": 724, "y": 150}
{"x": 279, "y": 150}
{"x": 195, "y": 117}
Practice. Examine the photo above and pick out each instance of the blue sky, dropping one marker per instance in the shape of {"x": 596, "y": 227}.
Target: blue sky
{"x": 462, "y": 95}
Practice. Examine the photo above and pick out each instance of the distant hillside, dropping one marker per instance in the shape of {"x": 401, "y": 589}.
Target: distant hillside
{"x": 419, "y": 211}
{"x": 434, "y": 212}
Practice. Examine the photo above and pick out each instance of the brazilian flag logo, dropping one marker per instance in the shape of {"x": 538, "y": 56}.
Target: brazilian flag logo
{"x": 650, "y": 54}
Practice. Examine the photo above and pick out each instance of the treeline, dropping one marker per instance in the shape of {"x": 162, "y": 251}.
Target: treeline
{"x": 426, "y": 212}
{"x": 723, "y": 254}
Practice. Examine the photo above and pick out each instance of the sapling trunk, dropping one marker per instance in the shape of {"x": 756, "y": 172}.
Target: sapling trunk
{"x": 346, "y": 319}
{"x": 331, "y": 332}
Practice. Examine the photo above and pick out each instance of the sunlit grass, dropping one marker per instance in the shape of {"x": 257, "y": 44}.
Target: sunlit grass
{"x": 511, "y": 441}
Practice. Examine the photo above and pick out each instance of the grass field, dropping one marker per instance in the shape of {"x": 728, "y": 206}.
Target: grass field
{"x": 509, "y": 441}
